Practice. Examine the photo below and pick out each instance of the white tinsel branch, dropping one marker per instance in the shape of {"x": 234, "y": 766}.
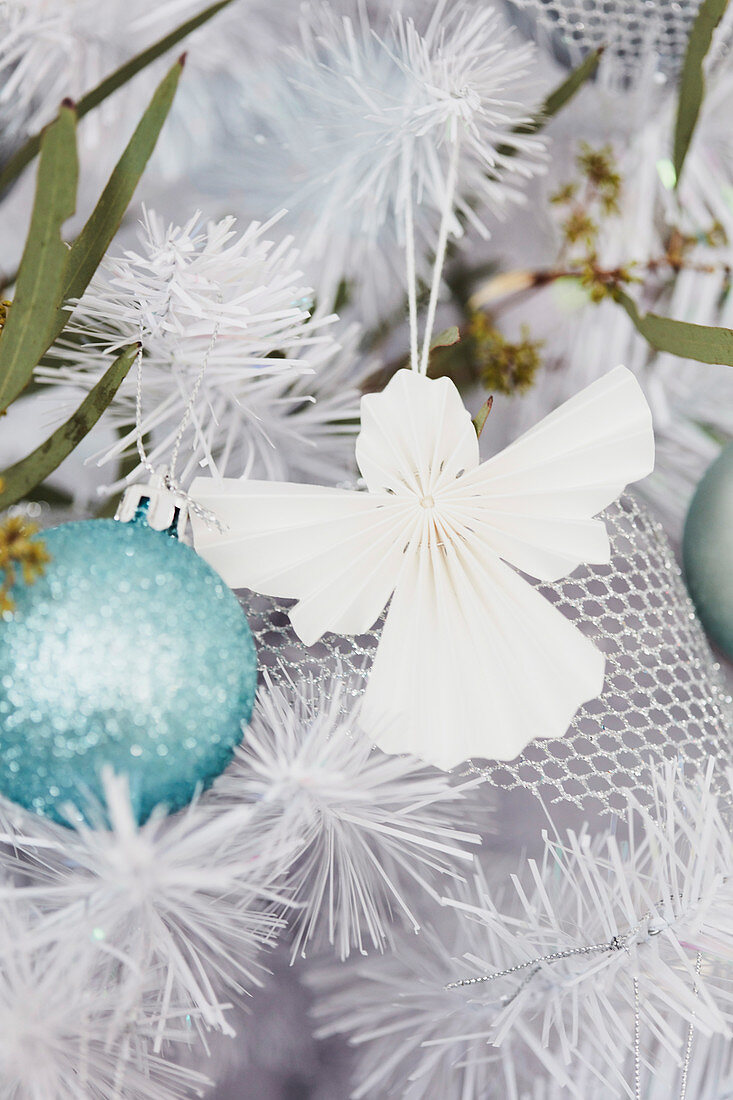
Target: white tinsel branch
{"x": 369, "y": 828}
{"x": 601, "y": 944}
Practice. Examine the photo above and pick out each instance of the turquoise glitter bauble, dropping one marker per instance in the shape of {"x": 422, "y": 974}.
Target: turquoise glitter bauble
{"x": 130, "y": 651}
{"x": 708, "y": 550}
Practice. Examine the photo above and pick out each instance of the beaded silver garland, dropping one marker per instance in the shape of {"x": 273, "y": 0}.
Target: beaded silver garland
{"x": 663, "y": 698}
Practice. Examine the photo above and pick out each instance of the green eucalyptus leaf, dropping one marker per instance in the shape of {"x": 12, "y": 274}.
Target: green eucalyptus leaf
{"x": 705, "y": 344}
{"x": 562, "y": 95}
{"x": 110, "y": 84}
{"x": 90, "y": 246}
{"x": 446, "y": 339}
{"x": 692, "y": 82}
{"x": 20, "y": 479}
{"x": 479, "y": 420}
{"x": 573, "y": 83}
{"x": 29, "y": 328}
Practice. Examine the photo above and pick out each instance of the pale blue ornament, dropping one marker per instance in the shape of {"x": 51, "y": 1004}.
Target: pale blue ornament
{"x": 130, "y": 651}
{"x": 707, "y": 549}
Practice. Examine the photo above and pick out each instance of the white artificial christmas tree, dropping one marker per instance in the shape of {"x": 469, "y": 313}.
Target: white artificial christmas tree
{"x": 476, "y": 840}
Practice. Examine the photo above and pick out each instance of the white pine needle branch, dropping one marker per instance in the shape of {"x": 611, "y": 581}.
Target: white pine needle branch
{"x": 369, "y": 829}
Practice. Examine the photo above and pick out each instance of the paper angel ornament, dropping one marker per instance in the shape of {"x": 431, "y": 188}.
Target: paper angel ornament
{"x": 472, "y": 661}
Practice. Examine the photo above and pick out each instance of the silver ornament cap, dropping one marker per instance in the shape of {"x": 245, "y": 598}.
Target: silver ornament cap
{"x": 166, "y": 507}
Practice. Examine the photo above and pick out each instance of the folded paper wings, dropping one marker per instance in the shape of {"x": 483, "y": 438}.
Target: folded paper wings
{"x": 473, "y": 661}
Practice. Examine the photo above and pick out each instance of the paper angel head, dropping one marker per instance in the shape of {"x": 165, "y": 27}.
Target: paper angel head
{"x": 472, "y": 661}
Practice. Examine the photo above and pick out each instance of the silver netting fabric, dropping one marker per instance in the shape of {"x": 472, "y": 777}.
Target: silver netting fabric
{"x": 631, "y": 30}
{"x": 663, "y": 697}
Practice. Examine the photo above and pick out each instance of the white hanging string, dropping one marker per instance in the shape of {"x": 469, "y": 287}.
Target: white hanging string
{"x": 410, "y": 255}
{"x": 169, "y": 475}
{"x": 139, "y": 440}
{"x": 445, "y": 220}
{"x": 189, "y": 410}
{"x": 169, "y": 472}
{"x": 419, "y": 360}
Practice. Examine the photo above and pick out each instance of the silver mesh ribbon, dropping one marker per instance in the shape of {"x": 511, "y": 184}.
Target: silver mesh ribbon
{"x": 631, "y": 30}
{"x": 663, "y": 698}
